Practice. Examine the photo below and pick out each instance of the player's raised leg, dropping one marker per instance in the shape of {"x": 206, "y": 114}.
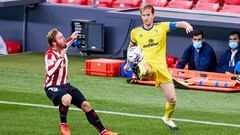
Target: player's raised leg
{"x": 141, "y": 70}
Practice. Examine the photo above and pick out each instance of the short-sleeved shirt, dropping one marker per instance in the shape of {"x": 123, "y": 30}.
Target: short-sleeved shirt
{"x": 153, "y": 43}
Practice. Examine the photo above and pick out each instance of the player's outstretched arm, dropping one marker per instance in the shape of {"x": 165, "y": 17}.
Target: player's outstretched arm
{"x": 185, "y": 25}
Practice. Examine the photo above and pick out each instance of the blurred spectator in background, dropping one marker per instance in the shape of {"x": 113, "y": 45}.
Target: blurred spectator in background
{"x": 199, "y": 55}
{"x": 231, "y": 57}
{"x": 3, "y": 48}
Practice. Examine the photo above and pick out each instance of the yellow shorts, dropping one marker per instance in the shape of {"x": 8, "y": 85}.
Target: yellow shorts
{"x": 160, "y": 74}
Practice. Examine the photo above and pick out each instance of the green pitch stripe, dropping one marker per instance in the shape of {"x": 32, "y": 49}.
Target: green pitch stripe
{"x": 125, "y": 114}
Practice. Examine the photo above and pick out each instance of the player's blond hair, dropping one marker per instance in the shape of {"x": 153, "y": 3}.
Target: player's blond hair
{"x": 52, "y": 36}
{"x": 146, "y": 6}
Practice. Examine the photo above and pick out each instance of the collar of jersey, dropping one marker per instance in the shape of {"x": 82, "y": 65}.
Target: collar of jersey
{"x": 146, "y": 28}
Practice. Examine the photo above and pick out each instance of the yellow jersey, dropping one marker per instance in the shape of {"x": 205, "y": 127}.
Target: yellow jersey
{"x": 152, "y": 41}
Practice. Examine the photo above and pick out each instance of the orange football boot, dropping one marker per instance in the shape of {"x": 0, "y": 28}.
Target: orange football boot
{"x": 64, "y": 129}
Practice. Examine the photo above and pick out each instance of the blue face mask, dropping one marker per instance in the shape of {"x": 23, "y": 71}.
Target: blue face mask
{"x": 197, "y": 44}
{"x": 233, "y": 44}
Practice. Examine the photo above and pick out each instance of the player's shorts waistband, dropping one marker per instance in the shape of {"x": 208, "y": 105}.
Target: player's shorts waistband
{"x": 67, "y": 84}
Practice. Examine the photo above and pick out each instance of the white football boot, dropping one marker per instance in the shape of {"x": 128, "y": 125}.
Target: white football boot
{"x": 169, "y": 123}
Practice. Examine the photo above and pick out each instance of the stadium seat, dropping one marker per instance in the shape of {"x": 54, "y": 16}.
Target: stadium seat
{"x": 215, "y": 7}
{"x": 231, "y": 8}
{"x": 158, "y": 3}
{"x": 127, "y": 3}
{"x": 171, "y": 60}
{"x": 77, "y": 2}
{"x": 194, "y": 1}
{"x": 55, "y": 1}
{"x": 232, "y": 2}
{"x": 90, "y": 2}
{"x": 181, "y": 4}
{"x": 105, "y": 3}
{"x": 211, "y": 1}
{"x": 13, "y": 47}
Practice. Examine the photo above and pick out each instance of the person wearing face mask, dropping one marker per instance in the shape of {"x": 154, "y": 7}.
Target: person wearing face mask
{"x": 231, "y": 57}
{"x": 199, "y": 55}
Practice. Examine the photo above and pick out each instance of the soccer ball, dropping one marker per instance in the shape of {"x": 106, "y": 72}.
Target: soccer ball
{"x": 135, "y": 54}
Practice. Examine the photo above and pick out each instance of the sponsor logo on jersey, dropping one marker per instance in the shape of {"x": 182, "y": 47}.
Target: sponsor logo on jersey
{"x": 150, "y": 43}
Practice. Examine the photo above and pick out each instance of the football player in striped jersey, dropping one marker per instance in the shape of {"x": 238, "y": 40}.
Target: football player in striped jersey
{"x": 58, "y": 88}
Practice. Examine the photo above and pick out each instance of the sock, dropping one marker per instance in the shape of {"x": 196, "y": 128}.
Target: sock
{"x": 143, "y": 70}
{"x": 169, "y": 109}
{"x": 95, "y": 121}
{"x": 63, "y": 113}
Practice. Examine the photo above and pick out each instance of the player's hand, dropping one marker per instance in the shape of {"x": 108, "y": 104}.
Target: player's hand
{"x": 126, "y": 67}
{"x": 74, "y": 34}
{"x": 189, "y": 28}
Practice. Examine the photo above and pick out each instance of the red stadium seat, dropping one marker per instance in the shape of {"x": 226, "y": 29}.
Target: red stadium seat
{"x": 231, "y": 8}
{"x": 105, "y": 3}
{"x": 13, "y": 47}
{"x": 158, "y": 3}
{"x": 77, "y": 2}
{"x": 102, "y": 3}
{"x": 55, "y": 1}
{"x": 181, "y": 4}
{"x": 215, "y": 7}
{"x": 90, "y": 2}
{"x": 232, "y": 2}
{"x": 170, "y": 61}
{"x": 211, "y": 1}
{"x": 127, "y": 3}
{"x": 194, "y": 1}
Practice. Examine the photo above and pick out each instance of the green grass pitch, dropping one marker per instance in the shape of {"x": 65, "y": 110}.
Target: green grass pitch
{"x": 21, "y": 81}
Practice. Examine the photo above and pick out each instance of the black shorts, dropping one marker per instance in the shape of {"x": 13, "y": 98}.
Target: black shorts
{"x": 55, "y": 93}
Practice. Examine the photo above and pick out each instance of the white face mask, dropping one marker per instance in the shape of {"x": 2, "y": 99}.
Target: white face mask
{"x": 197, "y": 44}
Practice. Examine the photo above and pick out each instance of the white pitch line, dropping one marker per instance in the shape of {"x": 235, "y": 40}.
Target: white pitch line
{"x": 125, "y": 114}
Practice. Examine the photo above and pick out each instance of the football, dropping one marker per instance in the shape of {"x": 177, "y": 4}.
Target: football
{"x": 135, "y": 54}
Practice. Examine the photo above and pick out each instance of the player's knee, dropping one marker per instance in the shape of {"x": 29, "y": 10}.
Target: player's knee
{"x": 172, "y": 99}
{"x": 85, "y": 106}
{"x": 66, "y": 99}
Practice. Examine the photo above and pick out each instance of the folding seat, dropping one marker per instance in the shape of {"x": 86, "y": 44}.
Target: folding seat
{"x": 105, "y": 3}
{"x": 171, "y": 60}
{"x": 158, "y": 3}
{"x": 232, "y": 2}
{"x": 77, "y": 2}
{"x": 55, "y": 1}
{"x": 211, "y": 1}
{"x": 180, "y": 4}
{"x": 194, "y": 1}
{"x": 90, "y": 2}
{"x": 231, "y": 8}
{"x": 12, "y": 46}
{"x": 127, "y": 3}
{"x": 215, "y": 7}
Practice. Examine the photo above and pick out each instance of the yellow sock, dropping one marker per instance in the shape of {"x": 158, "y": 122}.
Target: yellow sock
{"x": 169, "y": 109}
{"x": 143, "y": 70}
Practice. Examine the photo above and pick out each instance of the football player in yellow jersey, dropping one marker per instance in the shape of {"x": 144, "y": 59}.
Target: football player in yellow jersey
{"x": 151, "y": 37}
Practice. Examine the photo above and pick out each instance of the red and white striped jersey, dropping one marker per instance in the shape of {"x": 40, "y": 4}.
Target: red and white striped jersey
{"x": 56, "y": 68}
